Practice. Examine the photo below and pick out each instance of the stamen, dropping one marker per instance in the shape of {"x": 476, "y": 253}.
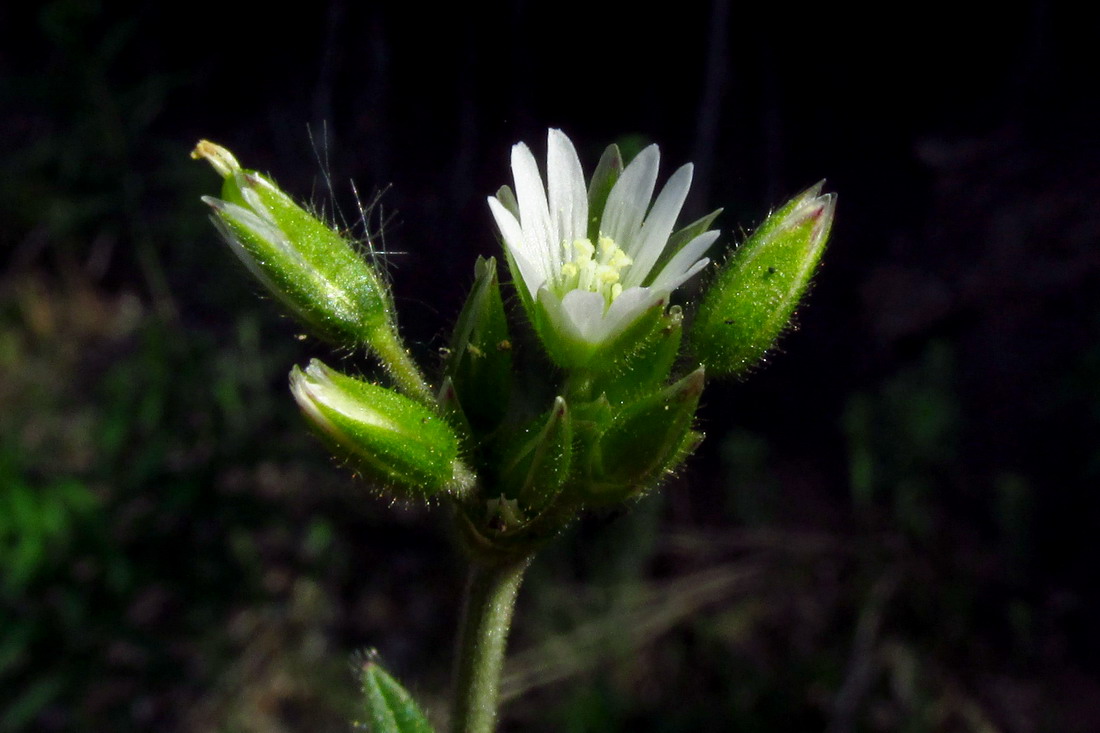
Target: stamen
{"x": 584, "y": 250}
{"x": 596, "y": 269}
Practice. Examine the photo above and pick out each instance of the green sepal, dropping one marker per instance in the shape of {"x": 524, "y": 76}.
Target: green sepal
{"x": 687, "y": 233}
{"x": 647, "y": 367}
{"x": 386, "y": 706}
{"x": 682, "y": 237}
{"x": 406, "y": 449}
{"x": 592, "y": 418}
{"x": 537, "y": 464}
{"x": 311, "y": 268}
{"x": 603, "y": 180}
{"x": 628, "y": 342}
{"x": 479, "y": 361}
{"x": 692, "y": 440}
{"x": 507, "y": 198}
{"x": 451, "y": 408}
{"x": 644, "y": 441}
{"x": 754, "y": 295}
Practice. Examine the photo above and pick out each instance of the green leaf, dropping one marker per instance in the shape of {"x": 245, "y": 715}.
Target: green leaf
{"x": 387, "y": 706}
{"x": 451, "y": 408}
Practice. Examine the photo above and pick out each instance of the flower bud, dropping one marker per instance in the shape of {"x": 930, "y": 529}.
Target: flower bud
{"x": 644, "y": 441}
{"x": 753, "y": 297}
{"x": 310, "y": 267}
{"x": 407, "y": 449}
{"x": 479, "y": 361}
{"x": 535, "y": 471}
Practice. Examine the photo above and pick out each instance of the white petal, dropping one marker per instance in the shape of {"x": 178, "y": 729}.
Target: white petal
{"x": 255, "y": 203}
{"x": 507, "y": 223}
{"x": 533, "y": 216}
{"x": 529, "y": 271}
{"x": 532, "y": 269}
{"x": 658, "y": 225}
{"x": 629, "y": 199}
{"x": 690, "y": 273}
{"x": 625, "y": 309}
{"x": 585, "y": 312}
{"x": 259, "y": 229}
{"x": 679, "y": 268}
{"x": 568, "y": 196}
{"x": 575, "y": 322}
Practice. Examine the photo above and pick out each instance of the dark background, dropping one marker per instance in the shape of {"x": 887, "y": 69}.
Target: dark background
{"x": 891, "y": 526}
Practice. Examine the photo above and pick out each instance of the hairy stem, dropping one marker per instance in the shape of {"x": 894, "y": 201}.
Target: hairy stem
{"x": 483, "y": 635}
{"x": 387, "y": 345}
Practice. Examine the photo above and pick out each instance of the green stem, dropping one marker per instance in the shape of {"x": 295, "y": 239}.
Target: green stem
{"x": 391, "y": 351}
{"x": 483, "y": 635}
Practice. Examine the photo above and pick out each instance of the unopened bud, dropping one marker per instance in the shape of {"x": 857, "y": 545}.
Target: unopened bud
{"x": 310, "y": 267}
{"x": 479, "y": 359}
{"x": 752, "y": 299}
{"x": 644, "y": 441}
{"x": 537, "y": 468}
{"x": 407, "y": 449}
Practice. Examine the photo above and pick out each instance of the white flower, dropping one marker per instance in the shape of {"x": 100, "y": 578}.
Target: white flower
{"x": 587, "y": 293}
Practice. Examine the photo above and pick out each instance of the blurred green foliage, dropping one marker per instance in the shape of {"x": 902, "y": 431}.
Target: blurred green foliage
{"x": 903, "y": 439}
{"x": 116, "y": 433}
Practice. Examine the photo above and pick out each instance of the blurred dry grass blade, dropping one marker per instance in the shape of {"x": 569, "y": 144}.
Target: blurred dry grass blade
{"x": 700, "y": 543}
{"x": 652, "y": 611}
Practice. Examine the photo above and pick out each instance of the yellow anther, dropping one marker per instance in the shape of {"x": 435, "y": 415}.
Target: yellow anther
{"x": 584, "y": 250}
{"x": 619, "y": 259}
{"x": 596, "y": 269}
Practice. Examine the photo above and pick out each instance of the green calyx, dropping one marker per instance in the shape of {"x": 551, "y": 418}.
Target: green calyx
{"x": 754, "y": 295}
{"x": 604, "y": 357}
{"x": 409, "y": 451}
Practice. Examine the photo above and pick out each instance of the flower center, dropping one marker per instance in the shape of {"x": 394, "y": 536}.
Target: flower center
{"x": 595, "y": 269}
